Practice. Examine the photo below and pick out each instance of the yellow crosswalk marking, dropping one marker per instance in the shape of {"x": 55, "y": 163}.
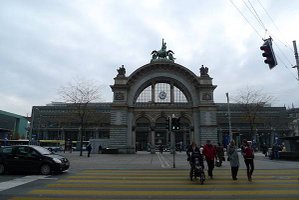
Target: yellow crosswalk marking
{"x": 162, "y": 193}
{"x": 135, "y": 186}
{"x": 169, "y": 184}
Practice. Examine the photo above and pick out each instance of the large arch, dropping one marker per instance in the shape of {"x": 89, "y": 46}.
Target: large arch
{"x": 182, "y": 94}
{"x": 180, "y": 76}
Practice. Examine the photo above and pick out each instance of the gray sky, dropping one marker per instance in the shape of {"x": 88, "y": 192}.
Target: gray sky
{"x": 45, "y": 44}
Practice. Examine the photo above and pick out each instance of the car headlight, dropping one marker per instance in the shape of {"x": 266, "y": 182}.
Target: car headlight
{"x": 57, "y": 160}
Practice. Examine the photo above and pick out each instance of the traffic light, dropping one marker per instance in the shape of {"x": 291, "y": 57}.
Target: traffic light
{"x": 167, "y": 124}
{"x": 269, "y": 53}
{"x": 178, "y": 124}
{"x": 175, "y": 123}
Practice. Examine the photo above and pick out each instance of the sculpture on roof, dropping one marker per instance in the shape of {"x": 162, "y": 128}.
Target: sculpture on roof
{"x": 121, "y": 71}
{"x": 204, "y": 71}
{"x": 163, "y": 53}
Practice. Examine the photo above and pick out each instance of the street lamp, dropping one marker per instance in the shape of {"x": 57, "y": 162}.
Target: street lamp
{"x": 229, "y": 120}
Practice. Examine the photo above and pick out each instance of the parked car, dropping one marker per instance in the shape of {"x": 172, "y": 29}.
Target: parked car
{"x": 54, "y": 149}
{"x": 30, "y": 158}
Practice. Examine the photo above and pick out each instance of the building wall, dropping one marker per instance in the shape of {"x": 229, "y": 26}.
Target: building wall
{"x": 13, "y": 126}
{"x": 293, "y": 115}
{"x": 270, "y": 123}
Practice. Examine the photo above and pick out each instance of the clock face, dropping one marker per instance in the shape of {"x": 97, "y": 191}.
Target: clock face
{"x": 162, "y": 95}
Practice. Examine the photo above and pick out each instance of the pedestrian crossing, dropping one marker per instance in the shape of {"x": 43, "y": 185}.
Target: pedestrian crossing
{"x": 169, "y": 184}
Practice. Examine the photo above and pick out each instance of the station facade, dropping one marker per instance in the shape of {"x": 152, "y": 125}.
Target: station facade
{"x": 155, "y": 92}
{"x": 142, "y": 103}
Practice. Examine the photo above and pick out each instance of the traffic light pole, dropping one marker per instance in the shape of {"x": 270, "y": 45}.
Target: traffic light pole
{"x": 229, "y": 119}
{"x": 296, "y": 58}
{"x": 172, "y": 139}
{"x": 172, "y": 125}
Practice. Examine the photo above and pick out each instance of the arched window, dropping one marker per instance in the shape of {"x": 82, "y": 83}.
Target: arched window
{"x": 162, "y": 93}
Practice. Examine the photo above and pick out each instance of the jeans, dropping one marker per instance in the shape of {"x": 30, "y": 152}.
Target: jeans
{"x": 276, "y": 154}
{"x": 211, "y": 165}
{"x": 234, "y": 171}
{"x": 250, "y": 167}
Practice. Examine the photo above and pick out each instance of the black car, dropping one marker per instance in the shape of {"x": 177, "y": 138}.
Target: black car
{"x": 30, "y": 158}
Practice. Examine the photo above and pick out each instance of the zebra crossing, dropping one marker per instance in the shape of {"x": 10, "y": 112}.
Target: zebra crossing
{"x": 169, "y": 184}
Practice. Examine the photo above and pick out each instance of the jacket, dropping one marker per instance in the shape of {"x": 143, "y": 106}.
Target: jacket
{"x": 232, "y": 156}
{"x": 209, "y": 152}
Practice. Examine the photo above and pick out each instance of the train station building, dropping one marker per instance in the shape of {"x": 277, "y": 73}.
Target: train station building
{"x": 142, "y": 103}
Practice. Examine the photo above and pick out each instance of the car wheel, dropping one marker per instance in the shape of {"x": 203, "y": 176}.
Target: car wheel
{"x": 45, "y": 169}
{"x": 2, "y": 168}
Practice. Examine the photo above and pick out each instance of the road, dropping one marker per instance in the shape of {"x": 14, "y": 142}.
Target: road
{"x": 153, "y": 176}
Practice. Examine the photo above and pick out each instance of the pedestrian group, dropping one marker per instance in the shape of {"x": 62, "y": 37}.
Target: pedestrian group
{"x": 214, "y": 155}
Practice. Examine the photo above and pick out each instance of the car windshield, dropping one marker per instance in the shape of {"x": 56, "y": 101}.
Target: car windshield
{"x": 42, "y": 150}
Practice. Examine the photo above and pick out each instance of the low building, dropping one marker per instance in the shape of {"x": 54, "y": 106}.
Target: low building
{"x": 13, "y": 126}
{"x": 270, "y": 123}
{"x": 293, "y": 114}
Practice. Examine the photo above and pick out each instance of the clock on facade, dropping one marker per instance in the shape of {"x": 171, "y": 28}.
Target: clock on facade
{"x": 162, "y": 95}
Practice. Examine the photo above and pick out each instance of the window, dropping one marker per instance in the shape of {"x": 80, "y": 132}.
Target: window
{"x": 6, "y": 150}
{"x": 162, "y": 94}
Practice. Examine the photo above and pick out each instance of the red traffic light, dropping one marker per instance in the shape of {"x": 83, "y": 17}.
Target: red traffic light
{"x": 268, "y": 53}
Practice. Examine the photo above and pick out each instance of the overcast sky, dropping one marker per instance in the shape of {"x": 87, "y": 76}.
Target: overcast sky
{"x": 46, "y": 44}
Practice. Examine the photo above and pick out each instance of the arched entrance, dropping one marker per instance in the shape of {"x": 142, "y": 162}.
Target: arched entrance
{"x": 142, "y": 134}
{"x": 162, "y": 135}
{"x": 157, "y": 91}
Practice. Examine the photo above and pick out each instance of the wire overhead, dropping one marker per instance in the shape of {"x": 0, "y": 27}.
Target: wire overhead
{"x": 251, "y": 8}
{"x": 245, "y": 18}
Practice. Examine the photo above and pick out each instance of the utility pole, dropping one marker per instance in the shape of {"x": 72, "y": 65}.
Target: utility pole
{"x": 296, "y": 58}
{"x": 229, "y": 120}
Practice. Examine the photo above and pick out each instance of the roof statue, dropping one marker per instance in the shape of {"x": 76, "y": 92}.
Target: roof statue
{"x": 121, "y": 71}
{"x": 162, "y": 54}
{"x": 204, "y": 71}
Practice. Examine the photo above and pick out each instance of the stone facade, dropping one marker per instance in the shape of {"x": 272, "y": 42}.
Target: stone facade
{"x": 198, "y": 108}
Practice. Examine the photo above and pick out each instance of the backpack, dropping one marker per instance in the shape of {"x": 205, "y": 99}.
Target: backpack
{"x": 248, "y": 152}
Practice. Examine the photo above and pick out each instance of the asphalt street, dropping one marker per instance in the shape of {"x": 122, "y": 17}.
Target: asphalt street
{"x": 145, "y": 160}
{"x": 152, "y": 176}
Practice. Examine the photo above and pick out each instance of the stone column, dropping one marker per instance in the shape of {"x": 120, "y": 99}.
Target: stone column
{"x": 185, "y": 138}
{"x": 153, "y": 146}
{"x": 134, "y": 137}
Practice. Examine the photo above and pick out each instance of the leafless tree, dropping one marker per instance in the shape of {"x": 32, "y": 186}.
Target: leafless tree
{"x": 80, "y": 93}
{"x": 252, "y": 101}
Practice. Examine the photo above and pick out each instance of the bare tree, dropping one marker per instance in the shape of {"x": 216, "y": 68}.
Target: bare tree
{"x": 252, "y": 101}
{"x": 80, "y": 93}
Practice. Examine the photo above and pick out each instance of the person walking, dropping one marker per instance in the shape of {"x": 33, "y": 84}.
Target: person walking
{"x": 275, "y": 150}
{"x": 264, "y": 149}
{"x": 209, "y": 152}
{"x": 233, "y": 158}
{"x": 88, "y": 148}
{"x": 248, "y": 159}
{"x": 194, "y": 152}
{"x": 220, "y": 153}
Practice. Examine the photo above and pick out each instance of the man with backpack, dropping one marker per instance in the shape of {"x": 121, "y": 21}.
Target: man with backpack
{"x": 248, "y": 155}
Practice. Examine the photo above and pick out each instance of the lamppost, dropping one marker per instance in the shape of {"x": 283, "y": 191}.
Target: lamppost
{"x": 229, "y": 120}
